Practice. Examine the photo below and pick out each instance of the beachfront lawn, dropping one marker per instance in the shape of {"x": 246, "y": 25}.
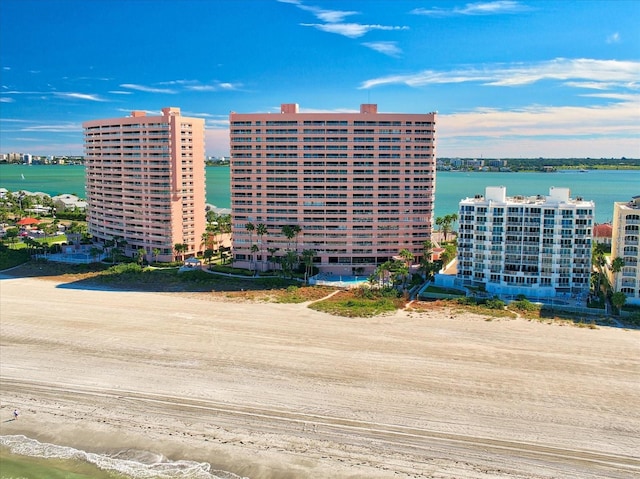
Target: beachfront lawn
{"x": 361, "y": 302}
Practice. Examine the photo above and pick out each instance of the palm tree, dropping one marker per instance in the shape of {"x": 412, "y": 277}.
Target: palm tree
{"x": 598, "y": 261}
{"x": 618, "y": 299}
{"x": 407, "y": 256}
{"x": 426, "y": 263}
{"x": 180, "y": 248}
{"x": 254, "y": 250}
{"x": 289, "y": 261}
{"x": 140, "y": 254}
{"x": 208, "y": 254}
{"x": 617, "y": 264}
{"x": 287, "y": 231}
{"x": 261, "y": 230}
{"x": 272, "y": 253}
{"x": 156, "y": 253}
{"x": 94, "y": 252}
{"x": 205, "y": 239}
{"x": 296, "y": 231}
{"x": 307, "y": 259}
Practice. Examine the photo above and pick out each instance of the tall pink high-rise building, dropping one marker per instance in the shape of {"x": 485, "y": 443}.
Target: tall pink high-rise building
{"x": 145, "y": 182}
{"x": 355, "y": 188}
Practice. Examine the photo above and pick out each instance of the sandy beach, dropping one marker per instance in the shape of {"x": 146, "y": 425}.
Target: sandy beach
{"x": 280, "y": 391}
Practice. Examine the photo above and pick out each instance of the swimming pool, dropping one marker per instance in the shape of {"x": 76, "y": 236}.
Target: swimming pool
{"x": 339, "y": 281}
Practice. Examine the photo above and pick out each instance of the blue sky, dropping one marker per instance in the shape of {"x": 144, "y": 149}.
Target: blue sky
{"x": 508, "y": 78}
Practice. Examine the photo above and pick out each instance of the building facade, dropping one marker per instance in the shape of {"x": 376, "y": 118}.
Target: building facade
{"x": 354, "y": 188}
{"x": 538, "y": 246}
{"x": 145, "y": 182}
{"x": 625, "y": 245}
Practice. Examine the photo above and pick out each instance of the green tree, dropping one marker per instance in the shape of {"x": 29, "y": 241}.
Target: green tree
{"x": 261, "y": 230}
{"x": 180, "y": 248}
{"x": 617, "y": 264}
{"x": 307, "y": 259}
{"x": 407, "y": 257}
{"x": 254, "y": 250}
{"x": 272, "y": 255}
{"x": 618, "y": 299}
{"x": 95, "y": 252}
{"x": 11, "y": 235}
{"x": 156, "y": 253}
{"x": 289, "y": 233}
{"x": 140, "y": 255}
{"x": 427, "y": 266}
{"x": 208, "y": 255}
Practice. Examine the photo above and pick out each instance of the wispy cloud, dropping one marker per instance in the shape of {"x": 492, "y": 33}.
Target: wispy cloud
{"x": 330, "y": 16}
{"x": 552, "y": 131}
{"x": 79, "y": 96}
{"x": 613, "y": 38}
{"x": 63, "y": 127}
{"x": 221, "y": 86}
{"x": 6, "y": 99}
{"x": 187, "y": 85}
{"x": 388, "y": 48}
{"x": 499, "y": 7}
{"x": 120, "y": 92}
{"x": 617, "y": 72}
{"x": 148, "y": 89}
{"x": 351, "y": 30}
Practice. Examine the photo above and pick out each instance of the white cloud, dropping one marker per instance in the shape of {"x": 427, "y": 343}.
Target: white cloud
{"x": 601, "y": 71}
{"x": 147, "y": 89}
{"x": 54, "y": 128}
{"x": 613, "y": 38}
{"x": 351, "y": 30}
{"x": 6, "y": 100}
{"x": 387, "y": 48}
{"x": 223, "y": 86}
{"x": 499, "y": 7}
{"x": 330, "y": 16}
{"x": 79, "y": 96}
{"x": 120, "y": 92}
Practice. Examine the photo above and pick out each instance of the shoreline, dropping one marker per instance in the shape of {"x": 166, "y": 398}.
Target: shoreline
{"x": 280, "y": 391}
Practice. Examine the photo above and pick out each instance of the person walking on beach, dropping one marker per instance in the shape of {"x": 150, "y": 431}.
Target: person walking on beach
{"x": 16, "y": 413}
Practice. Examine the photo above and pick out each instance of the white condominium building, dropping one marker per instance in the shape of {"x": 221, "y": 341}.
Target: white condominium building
{"x": 624, "y": 244}
{"x": 538, "y": 246}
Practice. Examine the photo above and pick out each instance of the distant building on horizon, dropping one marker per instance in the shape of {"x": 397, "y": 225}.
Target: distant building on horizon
{"x": 538, "y": 246}
{"x": 626, "y": 245}
{"x": 145, "y": 182}
{"x": 356, "y": 188}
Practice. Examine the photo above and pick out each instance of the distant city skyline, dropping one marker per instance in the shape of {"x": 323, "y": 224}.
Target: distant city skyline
{"x": 508, "y": 78}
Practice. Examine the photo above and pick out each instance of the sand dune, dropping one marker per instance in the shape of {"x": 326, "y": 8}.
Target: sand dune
{"x": 281, "y": 391}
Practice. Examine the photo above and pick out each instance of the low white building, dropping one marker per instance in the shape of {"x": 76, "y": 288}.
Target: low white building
{"x": 538, "y": 246}
{"x": 69, "y": 202}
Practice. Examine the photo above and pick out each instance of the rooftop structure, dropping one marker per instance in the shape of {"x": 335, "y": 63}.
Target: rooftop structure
{"x": 145, "y": 182}
{"x": 625, "y": 245}
{"x": 539, "y": 246}
{"x": 354, "y": 188}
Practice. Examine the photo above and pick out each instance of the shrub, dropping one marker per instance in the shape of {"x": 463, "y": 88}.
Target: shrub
{"x": 524, "y": 305}
{"x": 495, "y": 303}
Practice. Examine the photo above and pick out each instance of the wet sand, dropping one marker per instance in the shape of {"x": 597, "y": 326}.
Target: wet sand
{"x": 281, "y": 391}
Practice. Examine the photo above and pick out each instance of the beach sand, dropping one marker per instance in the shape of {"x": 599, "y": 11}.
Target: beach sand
{"x": 281, "y": 391}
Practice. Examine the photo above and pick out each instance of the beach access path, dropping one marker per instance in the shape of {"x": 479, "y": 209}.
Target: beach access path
{"x": 282, "y": 391}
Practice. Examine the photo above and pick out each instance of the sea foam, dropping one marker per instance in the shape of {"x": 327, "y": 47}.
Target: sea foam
{"x": 131, "y": 463}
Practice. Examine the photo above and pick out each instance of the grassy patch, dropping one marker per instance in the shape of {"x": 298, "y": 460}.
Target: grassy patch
{"x": 361, "y": 302}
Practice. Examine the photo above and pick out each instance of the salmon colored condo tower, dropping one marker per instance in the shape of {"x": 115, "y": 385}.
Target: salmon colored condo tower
{"x": 145, "y": 183}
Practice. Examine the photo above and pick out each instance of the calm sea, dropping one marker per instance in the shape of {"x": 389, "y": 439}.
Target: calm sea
{"x": 602, "y": 186}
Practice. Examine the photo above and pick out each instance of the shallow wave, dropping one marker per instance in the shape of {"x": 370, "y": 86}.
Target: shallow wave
{"x": 132, "y": 463}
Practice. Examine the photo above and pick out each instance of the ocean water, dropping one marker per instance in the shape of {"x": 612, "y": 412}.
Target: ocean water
{"x": 602, "y": 186}
{"x": 27, "y": 458}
